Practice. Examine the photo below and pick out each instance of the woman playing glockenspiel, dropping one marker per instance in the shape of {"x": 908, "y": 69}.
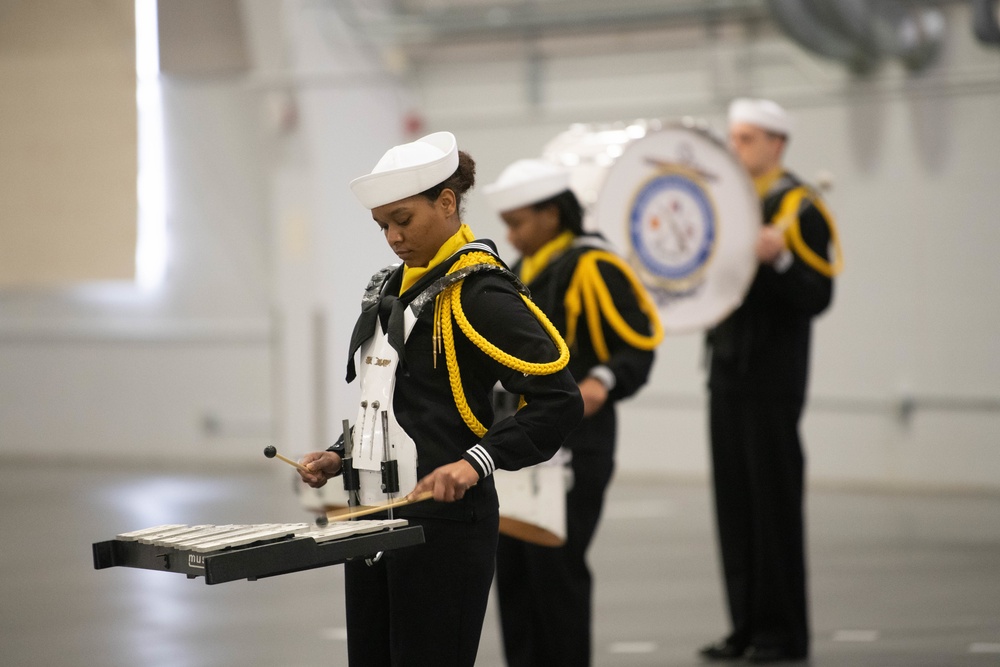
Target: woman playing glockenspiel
{"x": 473, "y": 327}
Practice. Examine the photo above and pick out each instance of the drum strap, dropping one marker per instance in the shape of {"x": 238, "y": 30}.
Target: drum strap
{"x": 792, "y": 205}
{"x": 588, "y": 293}
{"x": 379, "y": 441}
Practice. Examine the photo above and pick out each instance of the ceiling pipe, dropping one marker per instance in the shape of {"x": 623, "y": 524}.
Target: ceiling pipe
{"x": 858, "y": 33}
{"x": 920, "y": 35}
{"x": 802, "y": 23}
{"x": 986, "y": 21}
{"x": 513, "y": 21}
{"x": 861, "y": 33}
{"x": 887, "y": 28}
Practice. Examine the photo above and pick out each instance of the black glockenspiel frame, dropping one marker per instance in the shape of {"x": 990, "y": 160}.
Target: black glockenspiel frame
{"x": 256, "y": 561}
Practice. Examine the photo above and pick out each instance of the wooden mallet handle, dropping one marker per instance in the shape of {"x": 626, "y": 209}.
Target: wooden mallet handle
{"x": 343, "y": 515}
{"x": 271, "y": 452}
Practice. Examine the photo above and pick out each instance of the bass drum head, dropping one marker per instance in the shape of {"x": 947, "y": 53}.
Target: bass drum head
{"x": 679, "y": 208}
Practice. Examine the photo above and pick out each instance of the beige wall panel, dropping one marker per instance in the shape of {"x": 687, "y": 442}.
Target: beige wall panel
{"x": 67, "y": 142}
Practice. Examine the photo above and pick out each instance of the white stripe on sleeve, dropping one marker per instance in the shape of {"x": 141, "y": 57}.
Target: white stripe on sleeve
{"x": 483, "y": 458}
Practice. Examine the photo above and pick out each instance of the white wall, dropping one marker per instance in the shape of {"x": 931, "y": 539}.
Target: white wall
{"x": 916, "y": 165}
{"x": 178, "y": 372}
{"x": 348, "y": 112}
{"x": 267, "y": 241}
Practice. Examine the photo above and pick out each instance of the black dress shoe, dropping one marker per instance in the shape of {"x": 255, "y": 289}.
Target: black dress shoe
{"x": 759, "y": 655}
{"x": 725, "y": 649}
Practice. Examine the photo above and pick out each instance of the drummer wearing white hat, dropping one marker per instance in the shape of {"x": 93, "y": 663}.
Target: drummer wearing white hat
{"x": 757, "y": 384}
{"x": 544, "y": 593}
{"x": 765, "y": 114}
{"x": 440, "y": 316}
{"x": 759, "y": 131}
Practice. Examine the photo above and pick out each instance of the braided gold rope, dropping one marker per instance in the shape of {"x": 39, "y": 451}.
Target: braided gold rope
{"x": 449, "y": 305}
{"x": 787, "y": 220}
{"x": 455, "y": 377}
{"x": 589, "y": 292}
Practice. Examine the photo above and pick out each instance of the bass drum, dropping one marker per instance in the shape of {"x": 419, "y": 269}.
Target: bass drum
{"x": 676, "y": 204}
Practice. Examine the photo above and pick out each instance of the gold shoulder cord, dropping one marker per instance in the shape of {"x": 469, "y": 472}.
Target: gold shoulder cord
{"x": 787, "y": 219}
{"x": 448, "y": 304}
{"x": 588, "y": 292}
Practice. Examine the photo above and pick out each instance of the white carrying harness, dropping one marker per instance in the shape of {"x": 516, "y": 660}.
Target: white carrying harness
{"x": 379, "y": 443}
{"x": 368, "y": 450}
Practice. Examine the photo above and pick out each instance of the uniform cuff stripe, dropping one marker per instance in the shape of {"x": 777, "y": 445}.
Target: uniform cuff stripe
{"x": 485, "y": 461}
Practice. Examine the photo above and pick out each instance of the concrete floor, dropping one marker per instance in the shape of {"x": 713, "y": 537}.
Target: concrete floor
{"x": 898, "y": 579}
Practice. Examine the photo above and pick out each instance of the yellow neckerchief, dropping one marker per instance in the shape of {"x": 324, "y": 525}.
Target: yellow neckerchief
{"x": 763, "y": 184}
{"x": 412, "y": 274}
{"x": 532, "y": 266}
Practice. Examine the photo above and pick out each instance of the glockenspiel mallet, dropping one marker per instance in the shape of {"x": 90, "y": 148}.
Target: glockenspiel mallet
{"x": 272, "y": 452}
{"x": 365, "y": 510}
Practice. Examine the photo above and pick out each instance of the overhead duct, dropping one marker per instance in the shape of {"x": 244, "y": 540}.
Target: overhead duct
{"x": 986, "y": 21}
{"x": 888, "y": 28}
{"x": 861, "y": 33}
{"x": 800, "y": 22}
{"x": 428, "y": 23}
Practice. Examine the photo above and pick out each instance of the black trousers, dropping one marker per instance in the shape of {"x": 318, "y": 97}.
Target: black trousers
{"x": 758, "y": 467}
{"x": 423, "y": 605}
{"x": 545, "y": 593}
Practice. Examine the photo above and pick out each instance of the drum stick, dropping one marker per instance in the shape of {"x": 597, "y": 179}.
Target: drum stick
{"x": 341, "y": 515}
{"x": 271, "y": 452}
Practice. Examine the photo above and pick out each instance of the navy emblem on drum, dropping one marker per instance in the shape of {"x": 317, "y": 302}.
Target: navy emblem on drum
{"x": 672, "y": 228}
{"x": 678, "y": 205}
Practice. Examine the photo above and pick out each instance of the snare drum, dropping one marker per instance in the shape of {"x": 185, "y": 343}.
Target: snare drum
{"x": 533, "y": 502}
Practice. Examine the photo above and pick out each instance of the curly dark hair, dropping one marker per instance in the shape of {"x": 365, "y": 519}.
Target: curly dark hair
{"x": 460, "y": 182}
{"x": 569, "y": 209}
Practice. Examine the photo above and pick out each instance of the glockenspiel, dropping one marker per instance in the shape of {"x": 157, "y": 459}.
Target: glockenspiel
{"x": 252, "y": 551}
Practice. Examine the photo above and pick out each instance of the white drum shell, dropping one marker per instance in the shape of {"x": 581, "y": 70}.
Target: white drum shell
{"x": 533, "y": 503}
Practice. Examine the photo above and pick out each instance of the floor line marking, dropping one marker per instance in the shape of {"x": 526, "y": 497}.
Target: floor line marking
{"x": 855, "y": 635}
{"x": 984, "y": 647}
{"x": 632, "y": 647}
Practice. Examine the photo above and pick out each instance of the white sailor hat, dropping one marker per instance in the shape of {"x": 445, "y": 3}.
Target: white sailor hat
{"x": 408, "y": 170}
{"x": 526, "y": 182}
{"x": 762, "y": 113}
